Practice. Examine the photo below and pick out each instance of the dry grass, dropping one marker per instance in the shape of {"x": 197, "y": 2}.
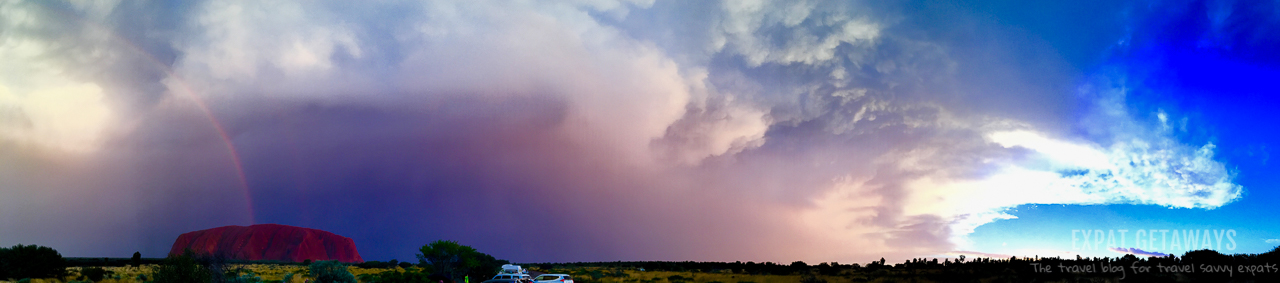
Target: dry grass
{"x": 268, "y": 272}
{"x": 636, "y": 276}
{"x": 649, "y": 276}
{"x": 273, "y": 272}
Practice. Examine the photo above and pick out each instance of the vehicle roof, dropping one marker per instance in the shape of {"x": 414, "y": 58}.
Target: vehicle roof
{"x": 512, "y": 274}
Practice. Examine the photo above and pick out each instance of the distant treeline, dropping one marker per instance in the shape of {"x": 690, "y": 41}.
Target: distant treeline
{"x": 1195, "y": 265}
{"x": 107, "y": 261}
{"x": 702, "y": 266}
{"x": 124, "y": 261}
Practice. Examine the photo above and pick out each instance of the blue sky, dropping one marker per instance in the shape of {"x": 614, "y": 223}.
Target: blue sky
{"x": 640, "y": 130}
{"x": 1215, "y": 75}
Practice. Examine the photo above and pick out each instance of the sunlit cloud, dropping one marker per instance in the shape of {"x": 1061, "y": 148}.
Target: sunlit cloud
{"x": 42, "y": 105}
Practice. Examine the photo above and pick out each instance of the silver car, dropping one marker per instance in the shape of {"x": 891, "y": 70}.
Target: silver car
{"x": 553, "y": 278}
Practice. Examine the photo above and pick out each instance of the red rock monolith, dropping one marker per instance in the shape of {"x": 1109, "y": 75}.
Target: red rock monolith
{"x": 268, "y": 242}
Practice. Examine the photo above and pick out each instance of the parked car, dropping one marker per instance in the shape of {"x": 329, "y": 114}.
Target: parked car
{"x": 553, "y": 278}
{"x": 509, "y": 278}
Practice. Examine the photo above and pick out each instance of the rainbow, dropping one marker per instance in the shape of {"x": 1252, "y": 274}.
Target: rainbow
{"x": 185, "y": 90}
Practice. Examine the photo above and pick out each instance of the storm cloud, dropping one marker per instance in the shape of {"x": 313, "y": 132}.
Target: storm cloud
{"x": 562, "y": 131}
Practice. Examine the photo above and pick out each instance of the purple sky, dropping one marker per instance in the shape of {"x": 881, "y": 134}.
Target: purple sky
{"x": 541, "y": 131}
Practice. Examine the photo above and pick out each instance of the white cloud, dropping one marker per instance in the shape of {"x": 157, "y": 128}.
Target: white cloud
{"x": 40, "y": 103}
{"x": 1155, "y": 170}
{"x": 813, "y": 32}
{"x": 723, "y": 127}
{"x": 70, "y": 117}
{"x": 263, "y": 47}
{"x": 618, "y": 90}
{"x": 971, "y": 170}
{"x": 1077, "y": 156}
{"x": 1273, "y": 241}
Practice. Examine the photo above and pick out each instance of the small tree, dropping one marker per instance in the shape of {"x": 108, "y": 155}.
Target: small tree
{"x": 330, "y": 271}
{"x": 448, "y": 258}
{"x": 486, "y": 267}
{"x": 136, "y": 260}
{"x": 799, "y": 265}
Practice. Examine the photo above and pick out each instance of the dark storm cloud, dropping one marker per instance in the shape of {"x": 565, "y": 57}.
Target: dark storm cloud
{"x": 500, "y": 174}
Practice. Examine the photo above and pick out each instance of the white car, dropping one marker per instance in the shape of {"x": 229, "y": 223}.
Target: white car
{"x": 553, "y": 278}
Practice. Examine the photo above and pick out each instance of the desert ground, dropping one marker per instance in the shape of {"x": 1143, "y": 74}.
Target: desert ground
{"x": 277, "y": 272}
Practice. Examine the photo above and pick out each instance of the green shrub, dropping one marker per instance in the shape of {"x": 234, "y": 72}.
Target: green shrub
{"x": 31, "y": 261}
{"x": 810, "y": 278}
{"x": 94, "y": 273}
{"x": 398, "y": 277}
{"x": 617, "y": 273}
{"x": 181, "y": 269}
{"x": 376, "y": 264}
{"x": 247, "y": 277}
{"x": 330, "y": 271}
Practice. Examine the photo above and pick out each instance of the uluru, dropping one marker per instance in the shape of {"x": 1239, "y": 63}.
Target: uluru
{"x": 268, "y": 242}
